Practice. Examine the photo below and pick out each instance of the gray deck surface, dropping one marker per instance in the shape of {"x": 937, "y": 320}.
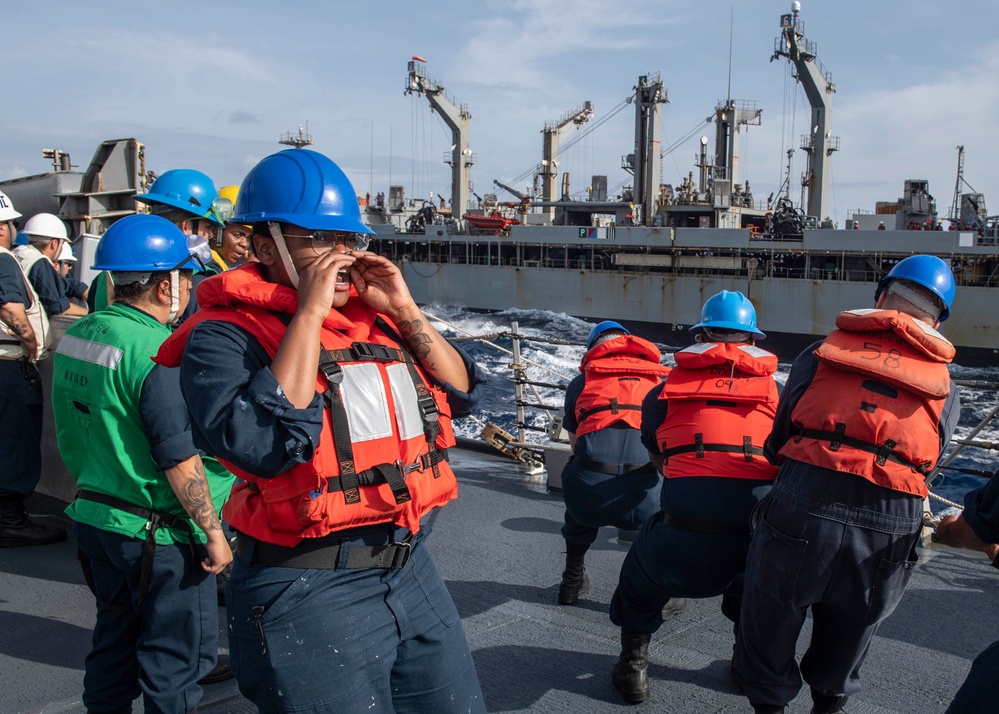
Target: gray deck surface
{"x": 500, "y": 550}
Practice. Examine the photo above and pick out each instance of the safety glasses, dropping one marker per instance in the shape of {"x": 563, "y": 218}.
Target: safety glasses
{"x": 324, "y": 241}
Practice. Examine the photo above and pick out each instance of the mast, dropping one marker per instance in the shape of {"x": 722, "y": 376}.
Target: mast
{"x": 460, "y": 158}
{"x": 650, "y": 95}
{"x": 819, "y": 144}
{"x": 551, "y": 137}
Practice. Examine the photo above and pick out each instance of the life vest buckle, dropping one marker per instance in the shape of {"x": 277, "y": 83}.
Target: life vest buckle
{"x": 374, "y": 352}
{"x": 840, "y": 430}
{"x": 884, "y": 452}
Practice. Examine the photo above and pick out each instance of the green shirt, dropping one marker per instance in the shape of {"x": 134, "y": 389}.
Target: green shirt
{"x": 98, "y": 373}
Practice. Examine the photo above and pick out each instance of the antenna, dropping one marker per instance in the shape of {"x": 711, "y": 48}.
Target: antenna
{"x": 731, "y": 31}
{"x": 299, "y": 141}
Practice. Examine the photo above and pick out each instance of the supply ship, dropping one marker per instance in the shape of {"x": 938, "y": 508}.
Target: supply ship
{"x": 651, "y": 256}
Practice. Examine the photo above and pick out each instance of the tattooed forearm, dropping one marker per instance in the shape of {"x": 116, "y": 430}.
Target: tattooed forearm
{"x": 190, "y": 483}
{"x": 199, "y": 500}
{"x": 17, "y": 321}
{"x": 419, "y": 341}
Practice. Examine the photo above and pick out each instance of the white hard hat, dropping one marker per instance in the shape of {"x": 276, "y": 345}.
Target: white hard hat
{"x": 45, "y": 225}
{"x": 66, "y": 254}
{"x": 7, "y": 212}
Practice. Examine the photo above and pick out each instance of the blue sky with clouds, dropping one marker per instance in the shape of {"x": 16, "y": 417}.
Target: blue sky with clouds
{"x": 213, "y": 84}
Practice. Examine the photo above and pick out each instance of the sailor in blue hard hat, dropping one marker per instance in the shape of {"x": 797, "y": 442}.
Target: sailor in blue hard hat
{"x": 146, "y": 512}
{"x": 864, "y": 416}
{"x": 337, "y": 414}
{"x": 188, "y": 199}
{"x": 704, "y": 430}
{"x": 609, "y": 480}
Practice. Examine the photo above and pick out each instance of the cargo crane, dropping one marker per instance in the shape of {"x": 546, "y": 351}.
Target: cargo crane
{"x": 460, "y": 158}
{"x": 817, "y": 82}
{"x": 551, "y": 138}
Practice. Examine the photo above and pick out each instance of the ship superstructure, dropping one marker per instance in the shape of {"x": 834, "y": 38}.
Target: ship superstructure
{"x": 651, "y": 256}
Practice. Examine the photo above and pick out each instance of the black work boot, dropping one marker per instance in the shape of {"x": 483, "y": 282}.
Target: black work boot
{"x": 17, "y": 529}
{"x": 631, "y": 671}
{"x": 574, "y": 579}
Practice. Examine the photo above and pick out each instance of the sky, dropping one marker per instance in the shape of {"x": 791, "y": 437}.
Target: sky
{"x": 212, "y": 85}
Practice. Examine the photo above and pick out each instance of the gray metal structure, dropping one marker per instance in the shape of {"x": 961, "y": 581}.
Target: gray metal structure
{"x": 645, "y": 163}
{"x": 457, "y": 117}
{"x": 551, "y": 138}
{"x": 819, "y": 143}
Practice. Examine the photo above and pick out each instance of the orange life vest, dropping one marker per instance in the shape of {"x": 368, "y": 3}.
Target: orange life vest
{"x": 380, "y": 457}
{"x": 619, "y": 373}
{"x": 721, "y": 403}
{"x": 874, "y": 406}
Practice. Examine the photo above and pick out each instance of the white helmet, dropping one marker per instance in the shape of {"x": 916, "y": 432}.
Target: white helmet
{"x": 66, "y": 254}
{"x": 45, "y": 225}
{"x": 7, "y": 212}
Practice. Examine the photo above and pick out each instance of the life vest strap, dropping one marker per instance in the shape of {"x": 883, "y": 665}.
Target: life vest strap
{"x": 882, "y": 452}
{"x": 393, "y": 474}
{"x": 613, "y": 407}
{"x": 699, "y": 447}
{"x": 606, "y": 467}
{"x": 341, "y": 426}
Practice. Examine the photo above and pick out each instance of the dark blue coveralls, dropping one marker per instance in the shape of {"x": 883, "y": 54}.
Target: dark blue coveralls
{"x": 980, "y": 691}
{"x": 829, "y": 541}
{"x": 333, "y": 639}
{"x": 594, "y": 499}
{"x": 20, "y": 402}
{"x": 666, "y": 562}
{"x": 157, "y": 648}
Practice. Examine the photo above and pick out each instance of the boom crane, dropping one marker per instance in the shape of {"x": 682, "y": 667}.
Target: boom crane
{"x": 551, "y": 138}
{"x": 819, "y": 144}
{"x": 457, "y": 117}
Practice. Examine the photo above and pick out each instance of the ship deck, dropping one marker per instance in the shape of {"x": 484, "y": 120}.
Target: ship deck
{"x": 500, "y": 551}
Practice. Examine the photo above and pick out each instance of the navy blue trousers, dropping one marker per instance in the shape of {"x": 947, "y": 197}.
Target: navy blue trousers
{"x": 593, "y": 500}
{"x": 158, "y": 649}
{"x": 666, "y": 562}
{"x": 349, "y": 640}
{"x": 980, "y": 691}
{"x": 833, "y": 543}
{"x": 20, "y": 427}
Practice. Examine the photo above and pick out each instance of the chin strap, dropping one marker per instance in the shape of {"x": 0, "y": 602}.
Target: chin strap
{"x": 282, "y": 248}
{"x": 174, "y": 297}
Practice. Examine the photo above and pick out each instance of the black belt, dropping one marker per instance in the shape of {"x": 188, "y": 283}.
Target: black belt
{"x": 323, "y": 554}
{"x": 156, "y": 520}
{"x": 605, "y": 467}
{"x": 696, "y": 525}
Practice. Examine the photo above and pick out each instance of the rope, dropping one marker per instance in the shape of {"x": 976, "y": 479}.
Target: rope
{"x": 945, "y": 501}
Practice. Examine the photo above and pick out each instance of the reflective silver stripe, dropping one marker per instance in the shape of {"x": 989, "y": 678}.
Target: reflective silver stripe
{"x": 754, "y": 351}
{"x": 699, "y": 347}
{"x": 407, "y": 405}
{"x": 928, "y": 329}
{"x": 366, "y": 402}
{"x": 94, "y": 352}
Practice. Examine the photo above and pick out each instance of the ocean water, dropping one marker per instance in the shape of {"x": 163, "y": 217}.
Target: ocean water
{"x": 558, "y": 363}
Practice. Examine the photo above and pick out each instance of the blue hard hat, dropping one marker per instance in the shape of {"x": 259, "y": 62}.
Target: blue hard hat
{"x": 301, "y": 187}
{"x": 729, "y": 311}
{"x": 143, "y": 243}
{"x": 928, "y": 271}
{"x": 602, "y": 327}
{"x": 186, "y": 189}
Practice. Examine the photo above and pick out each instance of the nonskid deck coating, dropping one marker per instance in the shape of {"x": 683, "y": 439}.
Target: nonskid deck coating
{"x": 500, "y": 551}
